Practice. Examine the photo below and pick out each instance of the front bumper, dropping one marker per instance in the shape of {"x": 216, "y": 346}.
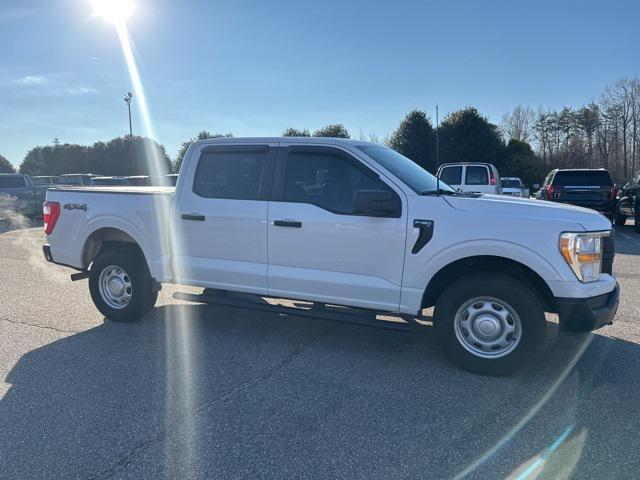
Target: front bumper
{"x": 587, "y": 314}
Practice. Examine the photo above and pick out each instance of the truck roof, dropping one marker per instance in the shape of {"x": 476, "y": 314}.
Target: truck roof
{"x": 304, "y": 140}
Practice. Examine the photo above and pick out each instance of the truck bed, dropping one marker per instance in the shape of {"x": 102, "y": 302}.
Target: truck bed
{"x": 140, "y": 211}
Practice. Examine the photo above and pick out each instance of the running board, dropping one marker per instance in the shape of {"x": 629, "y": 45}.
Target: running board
{"x": 334, "y": 313}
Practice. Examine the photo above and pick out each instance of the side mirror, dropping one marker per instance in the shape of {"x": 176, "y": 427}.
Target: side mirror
{"x": 376, "y": 203}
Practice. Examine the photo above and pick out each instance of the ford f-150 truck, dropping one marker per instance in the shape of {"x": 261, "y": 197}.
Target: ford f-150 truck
{"x": 347, "y": 223}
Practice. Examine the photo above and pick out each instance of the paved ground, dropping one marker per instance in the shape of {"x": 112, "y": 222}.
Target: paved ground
{"x": 195, "y": 391}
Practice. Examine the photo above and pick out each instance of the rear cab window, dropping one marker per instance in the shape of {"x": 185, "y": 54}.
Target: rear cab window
{"x": 12, "y": 182}
{"x": 582, "y": 178}
{"x": 510, "y": 183}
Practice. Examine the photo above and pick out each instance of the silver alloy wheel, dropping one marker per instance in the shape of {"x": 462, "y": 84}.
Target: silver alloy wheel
{"x": 488, "y": 327}
{"x": 115, "y": 287}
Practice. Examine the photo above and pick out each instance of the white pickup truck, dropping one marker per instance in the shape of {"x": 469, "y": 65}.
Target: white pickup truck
{"x": 349, "y": 223}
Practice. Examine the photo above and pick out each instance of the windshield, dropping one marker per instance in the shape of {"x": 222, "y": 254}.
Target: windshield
{"x": 510, "y": 183}
{"x": 412, "y": 174}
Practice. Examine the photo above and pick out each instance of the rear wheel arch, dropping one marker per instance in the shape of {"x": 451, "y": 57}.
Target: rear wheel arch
{"x": 487, "y": 263}
{"x": 107, "y": 237}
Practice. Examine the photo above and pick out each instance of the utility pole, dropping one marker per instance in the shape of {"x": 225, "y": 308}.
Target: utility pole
{"x": 127, "y": 99}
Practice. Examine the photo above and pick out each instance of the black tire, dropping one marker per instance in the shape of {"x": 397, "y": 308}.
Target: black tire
{"x": 619, "y": 219}
{"x": 518, "y": 296}
{"x": 143, "y": 294}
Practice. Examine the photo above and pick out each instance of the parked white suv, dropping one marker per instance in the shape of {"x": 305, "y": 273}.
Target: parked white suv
{"x": 471, "y": 177}
{"x": 349, "y": 223}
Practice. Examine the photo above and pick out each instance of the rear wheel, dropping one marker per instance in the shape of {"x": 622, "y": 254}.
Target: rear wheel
{"x": 120, "y": 284}
{"x": 491, "y": 324}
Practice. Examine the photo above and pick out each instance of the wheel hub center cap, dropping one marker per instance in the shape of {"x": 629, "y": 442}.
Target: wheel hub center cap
{"x": 487, "y": 326}
{"x": 116, "y": 286}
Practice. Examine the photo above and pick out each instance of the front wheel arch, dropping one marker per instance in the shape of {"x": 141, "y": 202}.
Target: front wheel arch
{"x": 489, "y": 264}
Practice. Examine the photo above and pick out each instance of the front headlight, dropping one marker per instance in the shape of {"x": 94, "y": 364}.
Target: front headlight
{"x": 583, "y": 253}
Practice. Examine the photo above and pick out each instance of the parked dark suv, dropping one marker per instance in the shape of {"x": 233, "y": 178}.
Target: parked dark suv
{"x": 583, "y": 187}
{"x": 629, "y": 203}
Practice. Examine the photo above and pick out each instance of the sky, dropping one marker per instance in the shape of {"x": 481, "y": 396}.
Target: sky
{"x": 254, "y": 68}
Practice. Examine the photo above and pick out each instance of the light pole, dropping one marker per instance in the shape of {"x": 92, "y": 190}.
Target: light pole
{"x": 127, "y": 99}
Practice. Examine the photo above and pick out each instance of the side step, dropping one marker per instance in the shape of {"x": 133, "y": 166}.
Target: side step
{"x": 333, "y": 313}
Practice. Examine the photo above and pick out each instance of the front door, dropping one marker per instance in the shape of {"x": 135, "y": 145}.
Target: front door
{"x": 319, "y": 249}
{"x": 221, "y": 239}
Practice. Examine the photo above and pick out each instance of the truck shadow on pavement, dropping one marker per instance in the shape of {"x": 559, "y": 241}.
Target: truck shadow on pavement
{"x": 198, "y": 391}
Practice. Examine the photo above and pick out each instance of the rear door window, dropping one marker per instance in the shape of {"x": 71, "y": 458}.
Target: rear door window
{"x": 229, "y": 173}
{"x": 476, "y": 175}
{"x": 452, "y": 175}
{"x": 594, "y": 178}
{"x": 12, "y": 182}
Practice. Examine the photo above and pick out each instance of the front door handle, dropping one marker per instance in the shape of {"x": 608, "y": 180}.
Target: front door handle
{"x": 287, "y": 223}
{"x": 193, "y": 216}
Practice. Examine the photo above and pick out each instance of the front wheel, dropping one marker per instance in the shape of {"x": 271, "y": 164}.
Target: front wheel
{"x": 619, "y": 218}
{"x": 120, "y": 284}
{"x": 491, "y": 324}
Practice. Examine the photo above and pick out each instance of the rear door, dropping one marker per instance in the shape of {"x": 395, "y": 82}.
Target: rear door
{"x": 221, "y": 240}
{"x": 452, "y": 176}
{"x": 476, "y": 179}
{"x": 319, "y": 249}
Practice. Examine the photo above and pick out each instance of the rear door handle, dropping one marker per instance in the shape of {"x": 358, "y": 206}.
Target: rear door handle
{"x": 287, "y": 223}
{"x": 193, "y": 216}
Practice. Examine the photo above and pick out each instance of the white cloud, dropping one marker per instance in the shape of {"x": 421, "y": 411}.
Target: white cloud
{"x": 51, "y": 84}
{"x": 32, "y": 80}
{"x": 80, "y": 90}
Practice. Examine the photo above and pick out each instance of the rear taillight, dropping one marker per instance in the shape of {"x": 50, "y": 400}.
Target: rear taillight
{"x": 50, "y": 214}
{"x": 549, "y": 191}
{"x": 614, "y": 192}
{"x": 492, "y": 178}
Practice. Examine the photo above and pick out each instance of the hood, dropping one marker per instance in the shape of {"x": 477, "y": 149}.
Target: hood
{"x": 522, "y": 208}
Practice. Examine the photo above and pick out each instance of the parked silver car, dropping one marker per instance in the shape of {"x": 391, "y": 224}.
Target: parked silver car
{"x": 514, "y": 187}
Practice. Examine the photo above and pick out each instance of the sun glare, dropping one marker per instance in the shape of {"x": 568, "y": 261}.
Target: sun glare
{"x": 113, "y": 11}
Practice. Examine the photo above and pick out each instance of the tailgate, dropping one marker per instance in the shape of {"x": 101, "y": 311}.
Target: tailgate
{"x": 581, "y": 194}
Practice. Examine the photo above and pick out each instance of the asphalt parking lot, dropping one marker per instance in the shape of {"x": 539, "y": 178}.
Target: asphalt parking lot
{"x": 195, "y": 391}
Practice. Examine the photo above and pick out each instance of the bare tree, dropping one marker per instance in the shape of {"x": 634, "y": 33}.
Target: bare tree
{"x": 518, "y": 124}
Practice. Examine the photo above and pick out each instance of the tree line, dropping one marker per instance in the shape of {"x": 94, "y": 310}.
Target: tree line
{"x": 121, "y": 156}
{"x": 603, "y": 133}
{"x": 527, "y": 143}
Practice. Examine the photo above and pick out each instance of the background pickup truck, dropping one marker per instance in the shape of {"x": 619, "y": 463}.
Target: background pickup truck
{"x": 19, "y": 194}
{"x": 347, "y": 223}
